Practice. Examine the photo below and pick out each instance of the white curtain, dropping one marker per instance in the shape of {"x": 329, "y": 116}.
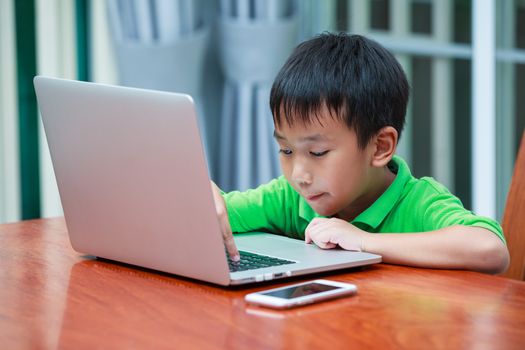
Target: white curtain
{"x": 256, "y": 37}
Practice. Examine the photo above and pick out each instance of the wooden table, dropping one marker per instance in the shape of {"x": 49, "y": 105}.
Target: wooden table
{"x": 53, "y": 297}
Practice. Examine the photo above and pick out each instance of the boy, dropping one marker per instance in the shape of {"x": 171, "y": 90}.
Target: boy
{"x": 339, "y": 106}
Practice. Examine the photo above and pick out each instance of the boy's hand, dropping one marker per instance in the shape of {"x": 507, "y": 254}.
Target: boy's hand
{"x": 222, "y": 214}
{"x": 329, "y": 233}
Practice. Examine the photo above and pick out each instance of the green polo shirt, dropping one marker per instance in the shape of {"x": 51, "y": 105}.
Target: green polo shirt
{"x": 408, "y": 205}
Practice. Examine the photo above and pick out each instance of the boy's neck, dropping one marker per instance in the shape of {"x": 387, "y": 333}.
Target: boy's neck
{"x": 379, "y": 186}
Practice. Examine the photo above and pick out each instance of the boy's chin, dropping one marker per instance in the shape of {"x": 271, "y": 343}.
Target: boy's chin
{"x": 324, "y": 211}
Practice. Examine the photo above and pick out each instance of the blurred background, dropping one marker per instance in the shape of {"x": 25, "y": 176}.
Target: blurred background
{"x": 465, "y": 60}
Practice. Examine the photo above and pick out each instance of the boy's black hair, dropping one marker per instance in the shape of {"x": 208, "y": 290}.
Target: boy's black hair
{"x": 359, "y": 80}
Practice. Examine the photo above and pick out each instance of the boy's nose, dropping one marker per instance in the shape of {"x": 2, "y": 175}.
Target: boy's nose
{"x": 301, "y": 177}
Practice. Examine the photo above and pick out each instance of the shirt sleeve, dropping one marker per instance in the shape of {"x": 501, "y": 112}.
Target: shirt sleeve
{"x": 260, "y": 209}
{"x": 443, "y": 209}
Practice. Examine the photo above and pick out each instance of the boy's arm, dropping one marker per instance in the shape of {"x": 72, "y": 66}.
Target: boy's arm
{"x": 265, "y": 208}
{"x": 455, "y": 247}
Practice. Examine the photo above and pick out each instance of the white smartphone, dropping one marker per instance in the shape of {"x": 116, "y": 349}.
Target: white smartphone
{"x": 301, "y": 294}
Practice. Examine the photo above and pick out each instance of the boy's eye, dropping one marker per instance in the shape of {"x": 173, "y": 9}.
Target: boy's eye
{"x": 285, "y": 151}
{"x": 319, "y": 154}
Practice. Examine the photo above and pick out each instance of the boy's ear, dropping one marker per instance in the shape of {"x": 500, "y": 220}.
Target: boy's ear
{"x": 385, "y": 146}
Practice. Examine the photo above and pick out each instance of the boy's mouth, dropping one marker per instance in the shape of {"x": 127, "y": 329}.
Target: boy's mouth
{"x": 312, "y": 198}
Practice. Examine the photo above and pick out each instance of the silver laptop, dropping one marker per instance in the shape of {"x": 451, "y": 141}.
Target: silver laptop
{"x": 134, "y": 187}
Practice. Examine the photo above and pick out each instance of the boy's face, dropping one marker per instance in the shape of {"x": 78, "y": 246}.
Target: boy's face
{"x": 325, "y": 166}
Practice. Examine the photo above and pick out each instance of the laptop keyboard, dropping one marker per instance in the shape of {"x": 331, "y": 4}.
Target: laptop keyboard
{"x": 251, "y": 261}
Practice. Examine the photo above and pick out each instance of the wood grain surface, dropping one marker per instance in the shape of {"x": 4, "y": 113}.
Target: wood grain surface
{"x": 53, "y": 297}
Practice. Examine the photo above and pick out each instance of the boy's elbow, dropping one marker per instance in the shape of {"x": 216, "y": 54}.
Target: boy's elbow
{"x": 494, "y": 256}
{"x": 504, "y": 259}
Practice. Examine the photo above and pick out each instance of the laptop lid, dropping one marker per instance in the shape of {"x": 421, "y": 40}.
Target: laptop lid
{"x": 132, "y": 176}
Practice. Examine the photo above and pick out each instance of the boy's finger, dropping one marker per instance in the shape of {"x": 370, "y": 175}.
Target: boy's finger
{"x": 307, "y": 238}
{"x": 315, "y": 221}
{"x": 309, "y": 232}
{"x": 226, "y": 231}
{"x": 229, "y": 242}
{"x": 231, "y": 248}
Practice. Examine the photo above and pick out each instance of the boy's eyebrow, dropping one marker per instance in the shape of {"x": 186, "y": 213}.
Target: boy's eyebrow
{"x": 310, "y": 138}
{"x": 278, "y": 136}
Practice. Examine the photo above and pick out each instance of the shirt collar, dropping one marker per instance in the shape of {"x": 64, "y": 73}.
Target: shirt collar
{"x": 374, "y": 215}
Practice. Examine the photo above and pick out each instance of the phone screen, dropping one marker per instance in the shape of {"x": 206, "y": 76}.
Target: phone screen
{"x": 300, "y": 291}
